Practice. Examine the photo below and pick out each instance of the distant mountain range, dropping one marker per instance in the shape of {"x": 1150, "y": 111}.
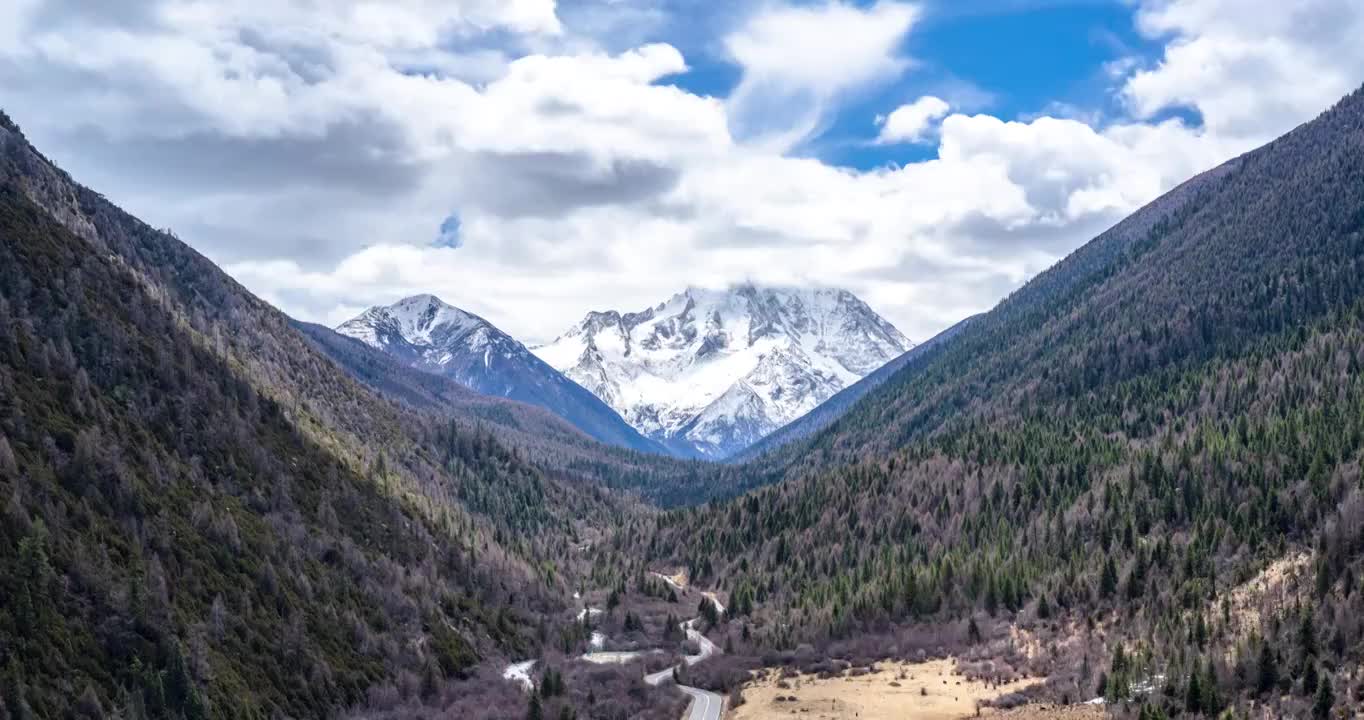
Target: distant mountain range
{"x": 710, "y": 372}
{"x": 705, "y": 374}
{"x": 426, "y": 333}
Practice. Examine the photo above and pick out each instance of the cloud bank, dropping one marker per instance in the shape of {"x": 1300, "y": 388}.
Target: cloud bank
{"x": 320, "y": 150}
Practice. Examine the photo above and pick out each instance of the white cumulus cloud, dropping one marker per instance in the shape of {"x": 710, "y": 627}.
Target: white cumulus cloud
{"x": 1250, "y": 71}
{"x": 798, "y": 59}
{"x": 912, "y": 122}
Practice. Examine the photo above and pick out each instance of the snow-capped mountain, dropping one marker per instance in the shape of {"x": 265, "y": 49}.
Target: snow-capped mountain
{"x": 426, "y": 333}
{"x": 710, "y": 372}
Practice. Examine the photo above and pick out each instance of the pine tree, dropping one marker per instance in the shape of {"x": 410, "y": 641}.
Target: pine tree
{"x": 1118, "y": 685}
{"x": 178, "y": 685}
{"x": 1193, "y": 696}
{"x": 1136, "y": 581}
{"x": 1200, "y": 632}
{"x": 1211, "y": 702}
{"x": 1309, "y": 679}
{"x": 1307, "y": 636}
{"x": 1326, "y": 700}
{"x": 1151, "y": 713}
{"x": 1268, "y": 671}
{"x": 551, "y": 684}
{"x": 35, "y": 572}
{"x": 8, "y": 466}
{"x": 708, "y": 610}
{"x": 1108, "y": 582}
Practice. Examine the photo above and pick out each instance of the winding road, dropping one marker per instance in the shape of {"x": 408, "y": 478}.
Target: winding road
{"x": 705, "y": 705}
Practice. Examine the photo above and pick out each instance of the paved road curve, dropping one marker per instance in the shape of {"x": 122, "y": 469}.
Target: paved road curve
{"x": 705, "y": 705}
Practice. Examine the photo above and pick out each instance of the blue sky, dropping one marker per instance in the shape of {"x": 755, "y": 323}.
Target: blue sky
{"x": 531, "y": 160}
{"x": 1057, "y": 56}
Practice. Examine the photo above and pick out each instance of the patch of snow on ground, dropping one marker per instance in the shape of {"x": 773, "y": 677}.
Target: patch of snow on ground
{"x": 617, "y": 658}
{"x": 520, "y": 673}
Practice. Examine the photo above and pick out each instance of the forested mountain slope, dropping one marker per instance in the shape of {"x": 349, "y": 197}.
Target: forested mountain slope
{"x": 1125, "y": 440}
{"x": 203, "y": 517}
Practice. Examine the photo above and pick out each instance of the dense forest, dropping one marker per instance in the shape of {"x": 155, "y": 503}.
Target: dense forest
{"x": 203, "y": 516}
{"x": 1127, "y": 447}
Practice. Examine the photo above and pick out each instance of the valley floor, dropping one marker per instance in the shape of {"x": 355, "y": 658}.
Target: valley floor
{"x": 896, "y": 690}
{"x": 1053, "y": 712}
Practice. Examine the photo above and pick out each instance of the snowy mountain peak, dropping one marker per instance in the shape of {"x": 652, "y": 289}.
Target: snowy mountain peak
{"x": 423, "y": 330}
{"x": 426, "y": 333}
{"x": 416, "y": 320}
{"x": 713, "y": 370}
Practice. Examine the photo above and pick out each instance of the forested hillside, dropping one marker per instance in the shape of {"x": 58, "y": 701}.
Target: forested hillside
{"x": 1121, "y": 446}
{"x": 204, "y": 517}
